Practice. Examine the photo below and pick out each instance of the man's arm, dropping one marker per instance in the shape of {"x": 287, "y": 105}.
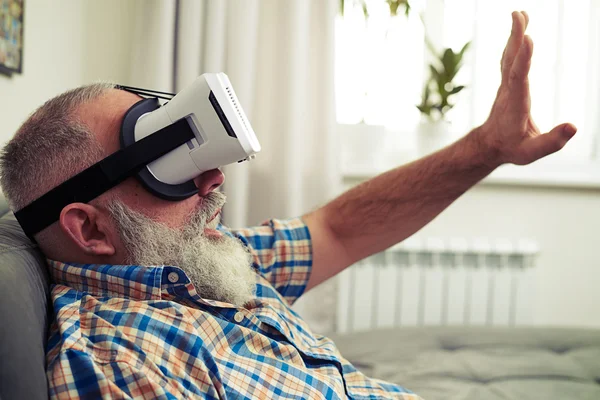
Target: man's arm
{"x": 393, "y": 206}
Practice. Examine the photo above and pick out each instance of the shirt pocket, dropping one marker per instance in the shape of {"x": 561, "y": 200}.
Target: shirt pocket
{"x": 134, "y": 368}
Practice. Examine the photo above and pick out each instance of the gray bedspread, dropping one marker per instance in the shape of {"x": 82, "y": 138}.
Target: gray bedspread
{"x": 481, "y": 363}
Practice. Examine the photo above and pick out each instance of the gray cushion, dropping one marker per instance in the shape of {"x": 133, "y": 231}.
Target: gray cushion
{"x": 481, "y": 363}
{"x": 24, "y": 289}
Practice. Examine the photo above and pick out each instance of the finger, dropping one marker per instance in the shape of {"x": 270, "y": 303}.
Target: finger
{"x": 518, "y": 79}
{"x": 541, "y": 146}
{"x": 514, "y": 43}
{"x": 507, "y": 43}
{"x": 526, "y": 18}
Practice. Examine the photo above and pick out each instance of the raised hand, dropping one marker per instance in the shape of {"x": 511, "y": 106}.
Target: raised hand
{"x": 509, "y": 133}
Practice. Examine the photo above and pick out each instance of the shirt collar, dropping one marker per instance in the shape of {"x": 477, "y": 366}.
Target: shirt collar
{"x": 137, "y": 282}
{"x": 131, "y": 281}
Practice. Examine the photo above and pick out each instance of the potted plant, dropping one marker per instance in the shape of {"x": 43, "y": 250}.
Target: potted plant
{"x": 439, "y": 89}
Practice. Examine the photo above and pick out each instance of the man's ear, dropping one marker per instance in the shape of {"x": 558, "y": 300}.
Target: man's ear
{"x": 88, "y": 228}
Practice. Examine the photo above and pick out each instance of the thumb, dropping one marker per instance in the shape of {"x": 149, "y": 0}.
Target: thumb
{"x": 542, "y": 145}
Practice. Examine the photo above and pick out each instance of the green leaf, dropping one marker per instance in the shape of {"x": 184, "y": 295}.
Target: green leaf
{"x": 460, "y": 54}
{"x": 465, "y": 47}
{"x": 425, "y": 97}
{"x": 456, "y": 90}
{"x": 426, "y": 93}
{"x": 441, "y": 81}
{"x": 425, "y": 106}
{"x": 342, "y": 8}
{"x": 407, "y": 8}
{"x": 365, "y": 10}
{"x": 448, "y": 62}
{"x": 425, "y": 110}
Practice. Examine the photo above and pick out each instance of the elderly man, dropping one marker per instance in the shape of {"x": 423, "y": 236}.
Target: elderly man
{"x": 156, "y": 299}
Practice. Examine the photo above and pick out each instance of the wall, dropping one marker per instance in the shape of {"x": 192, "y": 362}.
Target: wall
{"x": 67, "y": 43}
{"x": 564, "y": 222}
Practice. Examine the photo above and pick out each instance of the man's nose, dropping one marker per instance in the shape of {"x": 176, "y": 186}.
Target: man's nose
{"x": 209, "y": 181}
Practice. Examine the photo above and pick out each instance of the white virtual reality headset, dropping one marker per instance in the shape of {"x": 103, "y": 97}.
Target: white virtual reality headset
{"x": 203, "y": 127}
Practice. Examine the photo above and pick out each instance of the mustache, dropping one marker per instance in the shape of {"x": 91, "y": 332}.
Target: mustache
{"x": 211, "y": 203}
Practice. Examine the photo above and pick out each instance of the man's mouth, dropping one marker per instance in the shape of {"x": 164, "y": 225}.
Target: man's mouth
{"x": 214, "y": 216}
{"x": 211, "y": 224}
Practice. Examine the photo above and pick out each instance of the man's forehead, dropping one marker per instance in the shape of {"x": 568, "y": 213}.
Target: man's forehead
{"x": 105, "y": 114}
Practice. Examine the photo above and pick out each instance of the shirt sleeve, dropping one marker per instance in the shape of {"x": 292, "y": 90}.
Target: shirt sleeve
{"x": 282, "y": 252}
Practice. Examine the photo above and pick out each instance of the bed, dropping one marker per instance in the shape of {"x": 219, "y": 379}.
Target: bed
{"x": 479, "y": 362}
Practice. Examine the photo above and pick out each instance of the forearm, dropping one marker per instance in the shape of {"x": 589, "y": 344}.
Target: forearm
{"x": 391, "y": 207}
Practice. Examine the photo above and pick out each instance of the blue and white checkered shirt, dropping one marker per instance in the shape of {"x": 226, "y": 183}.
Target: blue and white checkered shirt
{"x": 127, "y": 331}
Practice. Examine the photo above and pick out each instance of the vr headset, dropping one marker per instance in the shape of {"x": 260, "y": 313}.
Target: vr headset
{"x": 164, "y": 146}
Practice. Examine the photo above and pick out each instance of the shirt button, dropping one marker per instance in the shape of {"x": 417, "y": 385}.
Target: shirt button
{"x": 239, "y": 317}
{"x": 173, "y": 277}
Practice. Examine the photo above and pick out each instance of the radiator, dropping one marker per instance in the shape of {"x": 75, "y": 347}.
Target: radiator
{"x": 439, "y": 282}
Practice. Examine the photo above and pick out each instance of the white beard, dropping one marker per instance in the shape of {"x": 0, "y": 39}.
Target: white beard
{"x": 219, "y": 267}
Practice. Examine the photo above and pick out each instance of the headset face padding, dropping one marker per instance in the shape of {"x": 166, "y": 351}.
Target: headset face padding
{"x": 160, "y": 189}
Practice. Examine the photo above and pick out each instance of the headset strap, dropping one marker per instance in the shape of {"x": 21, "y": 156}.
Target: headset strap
{"x": 102, "y": 176}
{"x": 146, "y": 92}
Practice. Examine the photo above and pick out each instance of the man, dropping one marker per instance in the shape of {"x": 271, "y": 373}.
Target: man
{"x": 155, "y": 299}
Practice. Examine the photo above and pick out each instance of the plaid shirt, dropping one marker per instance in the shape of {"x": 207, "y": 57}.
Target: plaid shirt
{"x": 144, "y": 332}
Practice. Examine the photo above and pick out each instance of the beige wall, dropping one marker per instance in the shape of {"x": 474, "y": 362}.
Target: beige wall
{"x": 67, "y": 43}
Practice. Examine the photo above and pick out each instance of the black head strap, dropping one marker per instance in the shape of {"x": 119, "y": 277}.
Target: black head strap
{"x": 146, "y": 92}
{"x": 105, "y": 174}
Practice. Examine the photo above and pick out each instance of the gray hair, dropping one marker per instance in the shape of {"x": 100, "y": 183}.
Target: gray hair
{"x": 50, "y": 147}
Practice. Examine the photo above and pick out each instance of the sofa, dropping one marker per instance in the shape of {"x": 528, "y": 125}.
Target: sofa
{"x": 24, "y": 313}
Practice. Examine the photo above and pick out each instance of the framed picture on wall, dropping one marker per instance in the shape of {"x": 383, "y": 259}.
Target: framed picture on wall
{"x": 11, "y": 36}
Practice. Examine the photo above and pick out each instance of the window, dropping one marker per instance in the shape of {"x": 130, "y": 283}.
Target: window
{"x": 381, "y": 64}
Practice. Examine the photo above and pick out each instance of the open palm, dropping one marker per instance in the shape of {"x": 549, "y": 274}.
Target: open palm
{"x": 510, "y": 129}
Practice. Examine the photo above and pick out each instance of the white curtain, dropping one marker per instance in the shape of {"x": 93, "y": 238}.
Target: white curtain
{"x": 279, "y": 58}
